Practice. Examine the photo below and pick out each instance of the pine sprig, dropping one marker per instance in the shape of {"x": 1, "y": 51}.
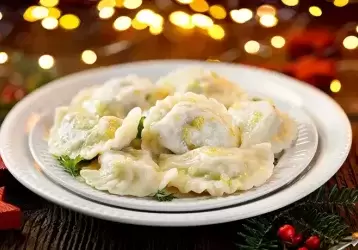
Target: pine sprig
{"x": 70, "y": 165}
{"x": 163, "y": 195}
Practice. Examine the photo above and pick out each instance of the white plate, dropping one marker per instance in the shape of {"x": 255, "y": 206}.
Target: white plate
{"x": 292, "y": 163}
{"x": 332, "y": 124}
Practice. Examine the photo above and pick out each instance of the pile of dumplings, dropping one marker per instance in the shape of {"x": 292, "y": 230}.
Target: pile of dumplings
{"x": 192, "y": 130}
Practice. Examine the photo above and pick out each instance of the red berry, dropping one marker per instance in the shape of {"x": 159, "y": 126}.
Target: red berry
{"x": 297, "y": 239}
{"x": 303, "y": 248}
{"x": 313, "y": 242}
{"x": 286, "y": 232}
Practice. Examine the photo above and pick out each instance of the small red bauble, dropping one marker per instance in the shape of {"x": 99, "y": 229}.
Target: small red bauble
{"x": 313, "y": 242}
{"x": 297, "y": 239}
{"x": 303, "y": 248}
{"x": 286, "y": 232}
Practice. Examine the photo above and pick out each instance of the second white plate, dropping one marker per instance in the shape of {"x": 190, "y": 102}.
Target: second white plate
{"x": 293, "y": 162}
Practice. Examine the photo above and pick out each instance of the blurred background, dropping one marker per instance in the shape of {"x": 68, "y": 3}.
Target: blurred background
{"x": 315, "y": 41}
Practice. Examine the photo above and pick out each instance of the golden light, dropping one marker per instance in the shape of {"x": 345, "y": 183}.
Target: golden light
{"x": 181, "y": 19}
{"x": 106, "y": 12}
{"x": 290, "y": 2}
{"x": 202, "y": 21}
{"x": 199, "y": 6}
{"x": 335, "y": 86}
{"x": 49, "y": 23}
{"x": 122, "y": 23}
{"x": 46, "y": 62}
{"x": 106, "y": 3}
{"x": 315, "y": 11}
{"x": 155, "y": 30}
{"x": 278, "y": 42}
{"x": 266, "y": 9}
{"x": 340, "y": 3}
{"x": 1, "y": 15}
{"x": 132, "y": 4}
{"x": 350, "y": 42}
{"x": 39, "y": 12}
{"x": 49, "y": 3}
{"x": 252, "y": 47}
{"x": 216, "y": 32}
{"x": 138, "y": 25}
{"x": 89, "y": 57}
{"x": 28, "y": 14}
{"x": 69, "y": 21}
{"x": 144, "y": 15}
{"x": 217, "y": 12}
{"x": 357, "y": 29}
{"x": 3, "y": 57}
{"x": 185, "y": 1}
{"x": 54, "y": 12}
{"x": 119, "y": 3}
{"x": 268, "y": 21}
{"x": 241, "y": 15}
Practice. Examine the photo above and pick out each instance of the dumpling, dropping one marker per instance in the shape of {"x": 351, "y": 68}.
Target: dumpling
{"x": 202, "y": 81}
{"x": 220, "y": 171}
{"x": 184, "y": 122}
{"x": 128, "y": 172}
{"x": 118, "y": 96}
{"x": 84, "y": 135}
{"x": 260, "y": 121}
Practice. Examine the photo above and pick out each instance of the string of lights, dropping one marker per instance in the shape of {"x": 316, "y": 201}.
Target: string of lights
{"x": 192, "y": 14}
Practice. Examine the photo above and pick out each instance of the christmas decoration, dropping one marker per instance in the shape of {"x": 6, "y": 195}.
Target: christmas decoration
{"x": 315, "y": 217}
{"x": 297, "y": 239}
{"x": 10, "y": 216}
{"x": 302, "y": 248}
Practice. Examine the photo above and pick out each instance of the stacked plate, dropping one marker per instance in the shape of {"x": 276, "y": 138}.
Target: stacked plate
{"x": 323, "y": 142}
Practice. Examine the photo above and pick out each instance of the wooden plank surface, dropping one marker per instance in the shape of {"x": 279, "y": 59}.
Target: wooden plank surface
{"x": 48, "y": 226}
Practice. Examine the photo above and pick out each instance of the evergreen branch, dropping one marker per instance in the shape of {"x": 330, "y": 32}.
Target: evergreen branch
{"x": 70, "y": 165}
{"x": 162, "y": 195}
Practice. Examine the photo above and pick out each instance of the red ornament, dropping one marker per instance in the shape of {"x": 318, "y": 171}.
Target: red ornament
{"x": 10, "y": 216}
{"x": 303, "y": 248}
{"x": 313, "y": 242}
{"x": 286, "y": 232}
{"x": 297, "y": 239}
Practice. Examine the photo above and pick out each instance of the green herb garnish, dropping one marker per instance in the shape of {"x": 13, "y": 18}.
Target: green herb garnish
{"x": 256, "y": 99}
{"x": 70, "y": 165}
{"x": 162, "y": 195}
{"x": 140, "y": 127}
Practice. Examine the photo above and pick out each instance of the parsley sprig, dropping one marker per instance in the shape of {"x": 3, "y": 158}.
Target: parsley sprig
{"x": 70, "y": 165}
{"x": 163, "y": 195}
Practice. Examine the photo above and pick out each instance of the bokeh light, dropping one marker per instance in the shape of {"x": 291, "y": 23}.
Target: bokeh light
{"x": 138, "y": 25}
{"x": 46, "y": 62}
{"x": 155, "y": 30}
{"x": 3, "y": 57}
{"x": 28, "y": 14}
{"x": 39, "y": 12}
{"x": 54, "y": 12}
{"x": 340, "y": 3}
{"x": 122, "y": 23}
{"x": 216, "y": 32}
{"x": 89, "y": 57}
{"x": 241, "y": 15}
{"x": 266, "y": 9}
{"x": 217, "y": 12}
{"x": 278, "y": 42}
{"x": 49, "y": 3}
{"x": 49, "y": 23}
{"x": 202, "y": 21}
{"x": 290, "y": 2}
{"x": 132, "y": 4}
{"x": 181, "y": 19}
{"x": 335, "y": 86}
{"x": 106, "y": 3}
{"x": 199, "y": 6}
{"x": 69, "y": 21}
{"x": 145, "y": 15}
{"x": 315, "y": 11}
{"x": 350, "y": 42}
{"x": 185, "y": 1}
{"x": 252, "y": 47}
{"x": 106, "y": 12}
{"x": 268, "y": 21}
{"x": 1, "y": 15}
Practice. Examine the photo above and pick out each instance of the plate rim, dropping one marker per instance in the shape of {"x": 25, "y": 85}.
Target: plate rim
{"x": 177, "y": 219}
